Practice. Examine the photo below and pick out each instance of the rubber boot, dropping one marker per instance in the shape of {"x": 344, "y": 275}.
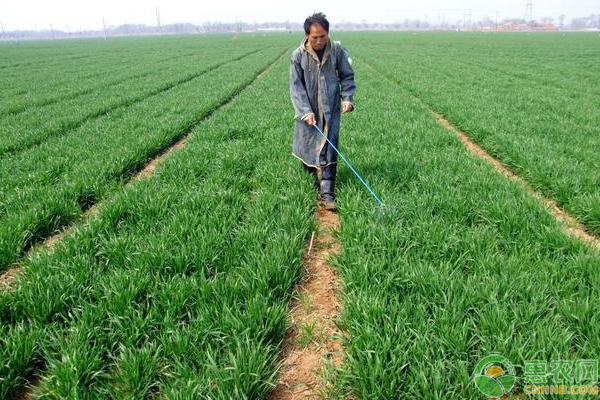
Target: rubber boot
{"x": 327, "y": 194}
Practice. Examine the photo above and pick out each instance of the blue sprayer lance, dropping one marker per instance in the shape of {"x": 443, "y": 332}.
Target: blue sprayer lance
{"x": 350, "y": 166}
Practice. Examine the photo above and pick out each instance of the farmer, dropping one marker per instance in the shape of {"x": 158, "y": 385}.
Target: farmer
{"x": 321, "y": 84}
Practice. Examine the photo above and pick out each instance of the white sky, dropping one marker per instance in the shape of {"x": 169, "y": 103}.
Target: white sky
{"x": 84, "y": 14}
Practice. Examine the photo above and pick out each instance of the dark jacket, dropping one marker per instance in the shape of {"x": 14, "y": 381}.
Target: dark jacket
{"x": 319, "y": 88}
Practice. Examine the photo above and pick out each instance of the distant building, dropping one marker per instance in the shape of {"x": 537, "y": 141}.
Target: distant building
{"x": 521, "y": 26}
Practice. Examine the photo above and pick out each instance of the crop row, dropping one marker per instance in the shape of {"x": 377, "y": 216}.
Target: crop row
{"x": 117, "y": 61}
{"x": 40, "y": 91}
{"x": 546, "y": 133}
{"x": 180, "y": 285}
{"x": 48, "y": 186}
{"x": 22, "y": 79}
{"x": 551, "y": 61}
{"x": 37, "y": 124}
{"x": 459, "y": 264}
{"x": 71, "y": 60}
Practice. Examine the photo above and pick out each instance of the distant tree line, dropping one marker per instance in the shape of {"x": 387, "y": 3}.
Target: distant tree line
{"x": 591, "y": 22}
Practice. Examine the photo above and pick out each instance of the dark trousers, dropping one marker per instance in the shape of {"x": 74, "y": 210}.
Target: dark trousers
{"x": 328, "y": 172}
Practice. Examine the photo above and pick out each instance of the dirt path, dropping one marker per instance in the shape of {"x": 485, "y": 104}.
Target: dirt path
{"x": 124, "y": 104}
{"x": 9, "y": 277}
{"x": 313, "y": 340}
{"x": 568, "y": 222}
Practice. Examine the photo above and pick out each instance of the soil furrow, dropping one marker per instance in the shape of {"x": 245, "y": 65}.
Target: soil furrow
{"x": 313, "y": 341}
{"x": 569, "y": 223}
{"x": 123, "y": 104}
{"x": 9, "y": 278}
{"x": 81, "y": 92}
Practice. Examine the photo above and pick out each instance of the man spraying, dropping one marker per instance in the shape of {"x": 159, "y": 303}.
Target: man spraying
{"x": 321, "y": 85}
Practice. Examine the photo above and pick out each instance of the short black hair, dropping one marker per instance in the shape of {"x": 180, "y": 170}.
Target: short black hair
{"x": 316, "y": 18}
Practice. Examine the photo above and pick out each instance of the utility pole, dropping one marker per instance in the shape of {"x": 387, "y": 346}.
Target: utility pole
{"x": 104, "y": 25}
{"x": 529, "y": 14}
{"x": 496, "y": 22}
{"x": 3, "y": 33}
{"x": 52, "y": 30}
{"x": 561, "y": 18}
{"x": 471, "y": 19}
{"x": 158, "y": 19}
{"x": 467, "y": 19}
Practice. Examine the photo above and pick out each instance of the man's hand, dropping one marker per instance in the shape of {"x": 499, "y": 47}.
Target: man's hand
{"x": 309, "y": 119}
{"x": 347, "y": 107}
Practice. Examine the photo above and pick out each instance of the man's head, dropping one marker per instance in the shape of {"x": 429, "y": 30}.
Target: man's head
{"x": 316, "y": 28}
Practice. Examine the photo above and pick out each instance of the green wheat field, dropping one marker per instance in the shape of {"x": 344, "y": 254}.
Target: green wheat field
{"x": 179, "y": 286}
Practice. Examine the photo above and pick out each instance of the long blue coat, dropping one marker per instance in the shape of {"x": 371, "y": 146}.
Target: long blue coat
{"x": 319, "y": 88}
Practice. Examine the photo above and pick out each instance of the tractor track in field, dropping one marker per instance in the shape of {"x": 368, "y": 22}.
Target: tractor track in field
{"x": 123, "y": 104}
{"x": 313, "y": 341}
{"x": 569, "y": 224}
{"x": 9, "y": 278}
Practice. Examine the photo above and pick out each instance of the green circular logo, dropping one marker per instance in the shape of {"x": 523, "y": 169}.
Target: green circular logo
{"x": 494, "y": 376}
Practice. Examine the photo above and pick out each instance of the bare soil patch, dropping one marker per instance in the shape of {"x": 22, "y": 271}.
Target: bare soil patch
{"x": 313, "y": 339}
